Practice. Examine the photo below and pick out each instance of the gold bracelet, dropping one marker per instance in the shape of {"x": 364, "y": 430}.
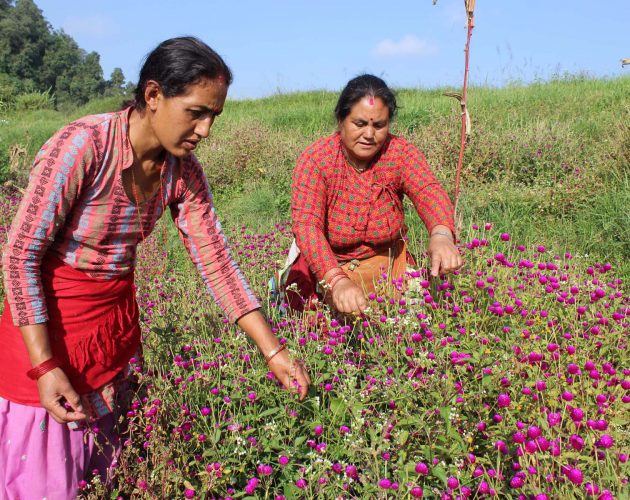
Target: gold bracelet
{"x": 275, "y": 351}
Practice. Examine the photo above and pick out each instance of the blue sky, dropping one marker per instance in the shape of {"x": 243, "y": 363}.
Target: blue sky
{"x": 291, "y": 45}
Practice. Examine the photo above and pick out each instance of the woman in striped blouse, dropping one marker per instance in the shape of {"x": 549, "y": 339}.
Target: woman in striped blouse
{"x": 70, "y": 320}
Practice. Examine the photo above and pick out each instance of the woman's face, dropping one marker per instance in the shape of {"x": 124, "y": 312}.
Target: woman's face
{"x": 364, "y": 130}
{"x": 180, "y": 122}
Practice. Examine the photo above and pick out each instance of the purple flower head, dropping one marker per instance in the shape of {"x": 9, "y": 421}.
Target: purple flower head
{"x": 264, "y": 469}
{"x": 577, "y": 414}
{"x": 504, "y": 400}
{"x": 554, "y": 418}
{"x": 576, "y": 442}
{"x": 533, "y": 432}
{"x": 605, "y": 441}
{"x": 385, "y": 484}
{"x": 351, "y": 471}
{"x": 591, "y": 489}
{"x": 416, "y": 492}
{"x": 452, "y": 483}
{"x": 422, "y": 468}
{"x": 575, "y": 475}
{"x": 251, "y": 486}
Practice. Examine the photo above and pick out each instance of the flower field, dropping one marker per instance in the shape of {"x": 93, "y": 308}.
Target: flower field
{"x": 508, "y": 380}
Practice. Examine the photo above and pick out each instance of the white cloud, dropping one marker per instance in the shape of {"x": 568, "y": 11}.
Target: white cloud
{"x": 407, "y": 46}
{"x": 96, "y": 26}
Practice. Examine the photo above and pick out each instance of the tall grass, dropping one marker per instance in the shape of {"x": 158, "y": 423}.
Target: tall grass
{"x": 548, "y": 160}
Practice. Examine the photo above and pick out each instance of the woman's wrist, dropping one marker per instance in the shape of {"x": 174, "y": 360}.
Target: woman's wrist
{"x": 43, "y": 368}
{"x": 270, "y": 355}
{"x": 332, "y": 277}
{"x": 443, "y": 233}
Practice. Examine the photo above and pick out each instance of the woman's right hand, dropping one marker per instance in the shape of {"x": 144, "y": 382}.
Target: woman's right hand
{"x": 56, "y": 394}
{"x": 347, "y": 297}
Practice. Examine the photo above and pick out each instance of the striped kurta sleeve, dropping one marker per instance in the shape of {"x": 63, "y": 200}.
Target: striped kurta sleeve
{"x": 59, "y": 173}
{"x": 200, "y": 230}
{"x": 427, "y": 195}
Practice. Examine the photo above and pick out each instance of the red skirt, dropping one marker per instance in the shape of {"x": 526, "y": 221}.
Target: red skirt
{"x": 93, "y": 330}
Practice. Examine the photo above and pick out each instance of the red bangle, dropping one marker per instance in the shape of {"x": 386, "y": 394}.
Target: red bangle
{"x": 41, "y": 369}
{"x": 275, "y": 351}
{"x": 336, "y": 280}
{"x": 335, "y": 271}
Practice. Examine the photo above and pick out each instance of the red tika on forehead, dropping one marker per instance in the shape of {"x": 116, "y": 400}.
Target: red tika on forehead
{"x": 371, "y": 100}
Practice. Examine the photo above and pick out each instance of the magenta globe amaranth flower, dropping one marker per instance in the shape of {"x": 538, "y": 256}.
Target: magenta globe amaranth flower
{"x": 452, "y": 483}
{"x": 576, "y": 442}
{"x": 251, "y": 485}
{"x": 576, "y": 414}
{"x": 190, "y": 493}
{"x": 351, "y": 471}
{"x": 264, "y": 469}
{"x": 422, "y": 468}
{"x": 416, "y": 492}
{"x": 605, "y": 441}
{"x": 591, "y": 489}
{"x": 301, "y": 483}
{"x": 504, "y": 400}
{"x": 575, "y": 475}
{"x": 533, "y": 431}
{"x": 484, "y": 487}
{"x": 554, "y": 418}
{"x": 385, "y": 484}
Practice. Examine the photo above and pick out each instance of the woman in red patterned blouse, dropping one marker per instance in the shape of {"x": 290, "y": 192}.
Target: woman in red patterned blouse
{"x": 70, "y": 323}
{"x": 347, "y": 198}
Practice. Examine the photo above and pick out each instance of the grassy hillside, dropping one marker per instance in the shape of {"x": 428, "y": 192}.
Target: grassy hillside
{"x": 548, "y": 161}
{"x": 507, "y": 379}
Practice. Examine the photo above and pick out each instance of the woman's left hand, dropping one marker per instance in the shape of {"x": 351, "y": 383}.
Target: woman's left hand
{"x": 291, "y": 373}
{"x": 444, "y": 255}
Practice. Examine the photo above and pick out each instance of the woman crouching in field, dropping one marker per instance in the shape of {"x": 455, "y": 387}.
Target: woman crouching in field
{"x": 347, "y": 206}
{"x": 70, "y": 320}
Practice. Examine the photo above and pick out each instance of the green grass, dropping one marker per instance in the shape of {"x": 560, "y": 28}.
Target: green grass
{"x": 548, "y": 161}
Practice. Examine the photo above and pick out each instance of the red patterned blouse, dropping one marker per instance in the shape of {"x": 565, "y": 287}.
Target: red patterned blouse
{"x": 339, "y": 214}
{"x": 75, "y": 207}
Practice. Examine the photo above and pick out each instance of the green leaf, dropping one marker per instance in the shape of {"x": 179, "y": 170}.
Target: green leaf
{"x": 445, "y": 411}
{"x": 402, "y": 437}
{"x": 266, "y": 413}
{"x": 337, "y": 405}
{"x": 440, "y": 473}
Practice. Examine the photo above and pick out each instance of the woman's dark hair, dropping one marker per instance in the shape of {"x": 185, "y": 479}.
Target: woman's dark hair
{"x": 177, "y": 63}
{"x": 360, "y": 87}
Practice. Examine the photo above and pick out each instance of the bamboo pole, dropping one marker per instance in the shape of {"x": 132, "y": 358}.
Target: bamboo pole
{"x": 466, "y": 126}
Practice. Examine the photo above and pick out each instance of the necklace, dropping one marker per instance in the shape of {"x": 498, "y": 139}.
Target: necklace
{"x": 136, "y": 199}
{"x": 358, "y": 170}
